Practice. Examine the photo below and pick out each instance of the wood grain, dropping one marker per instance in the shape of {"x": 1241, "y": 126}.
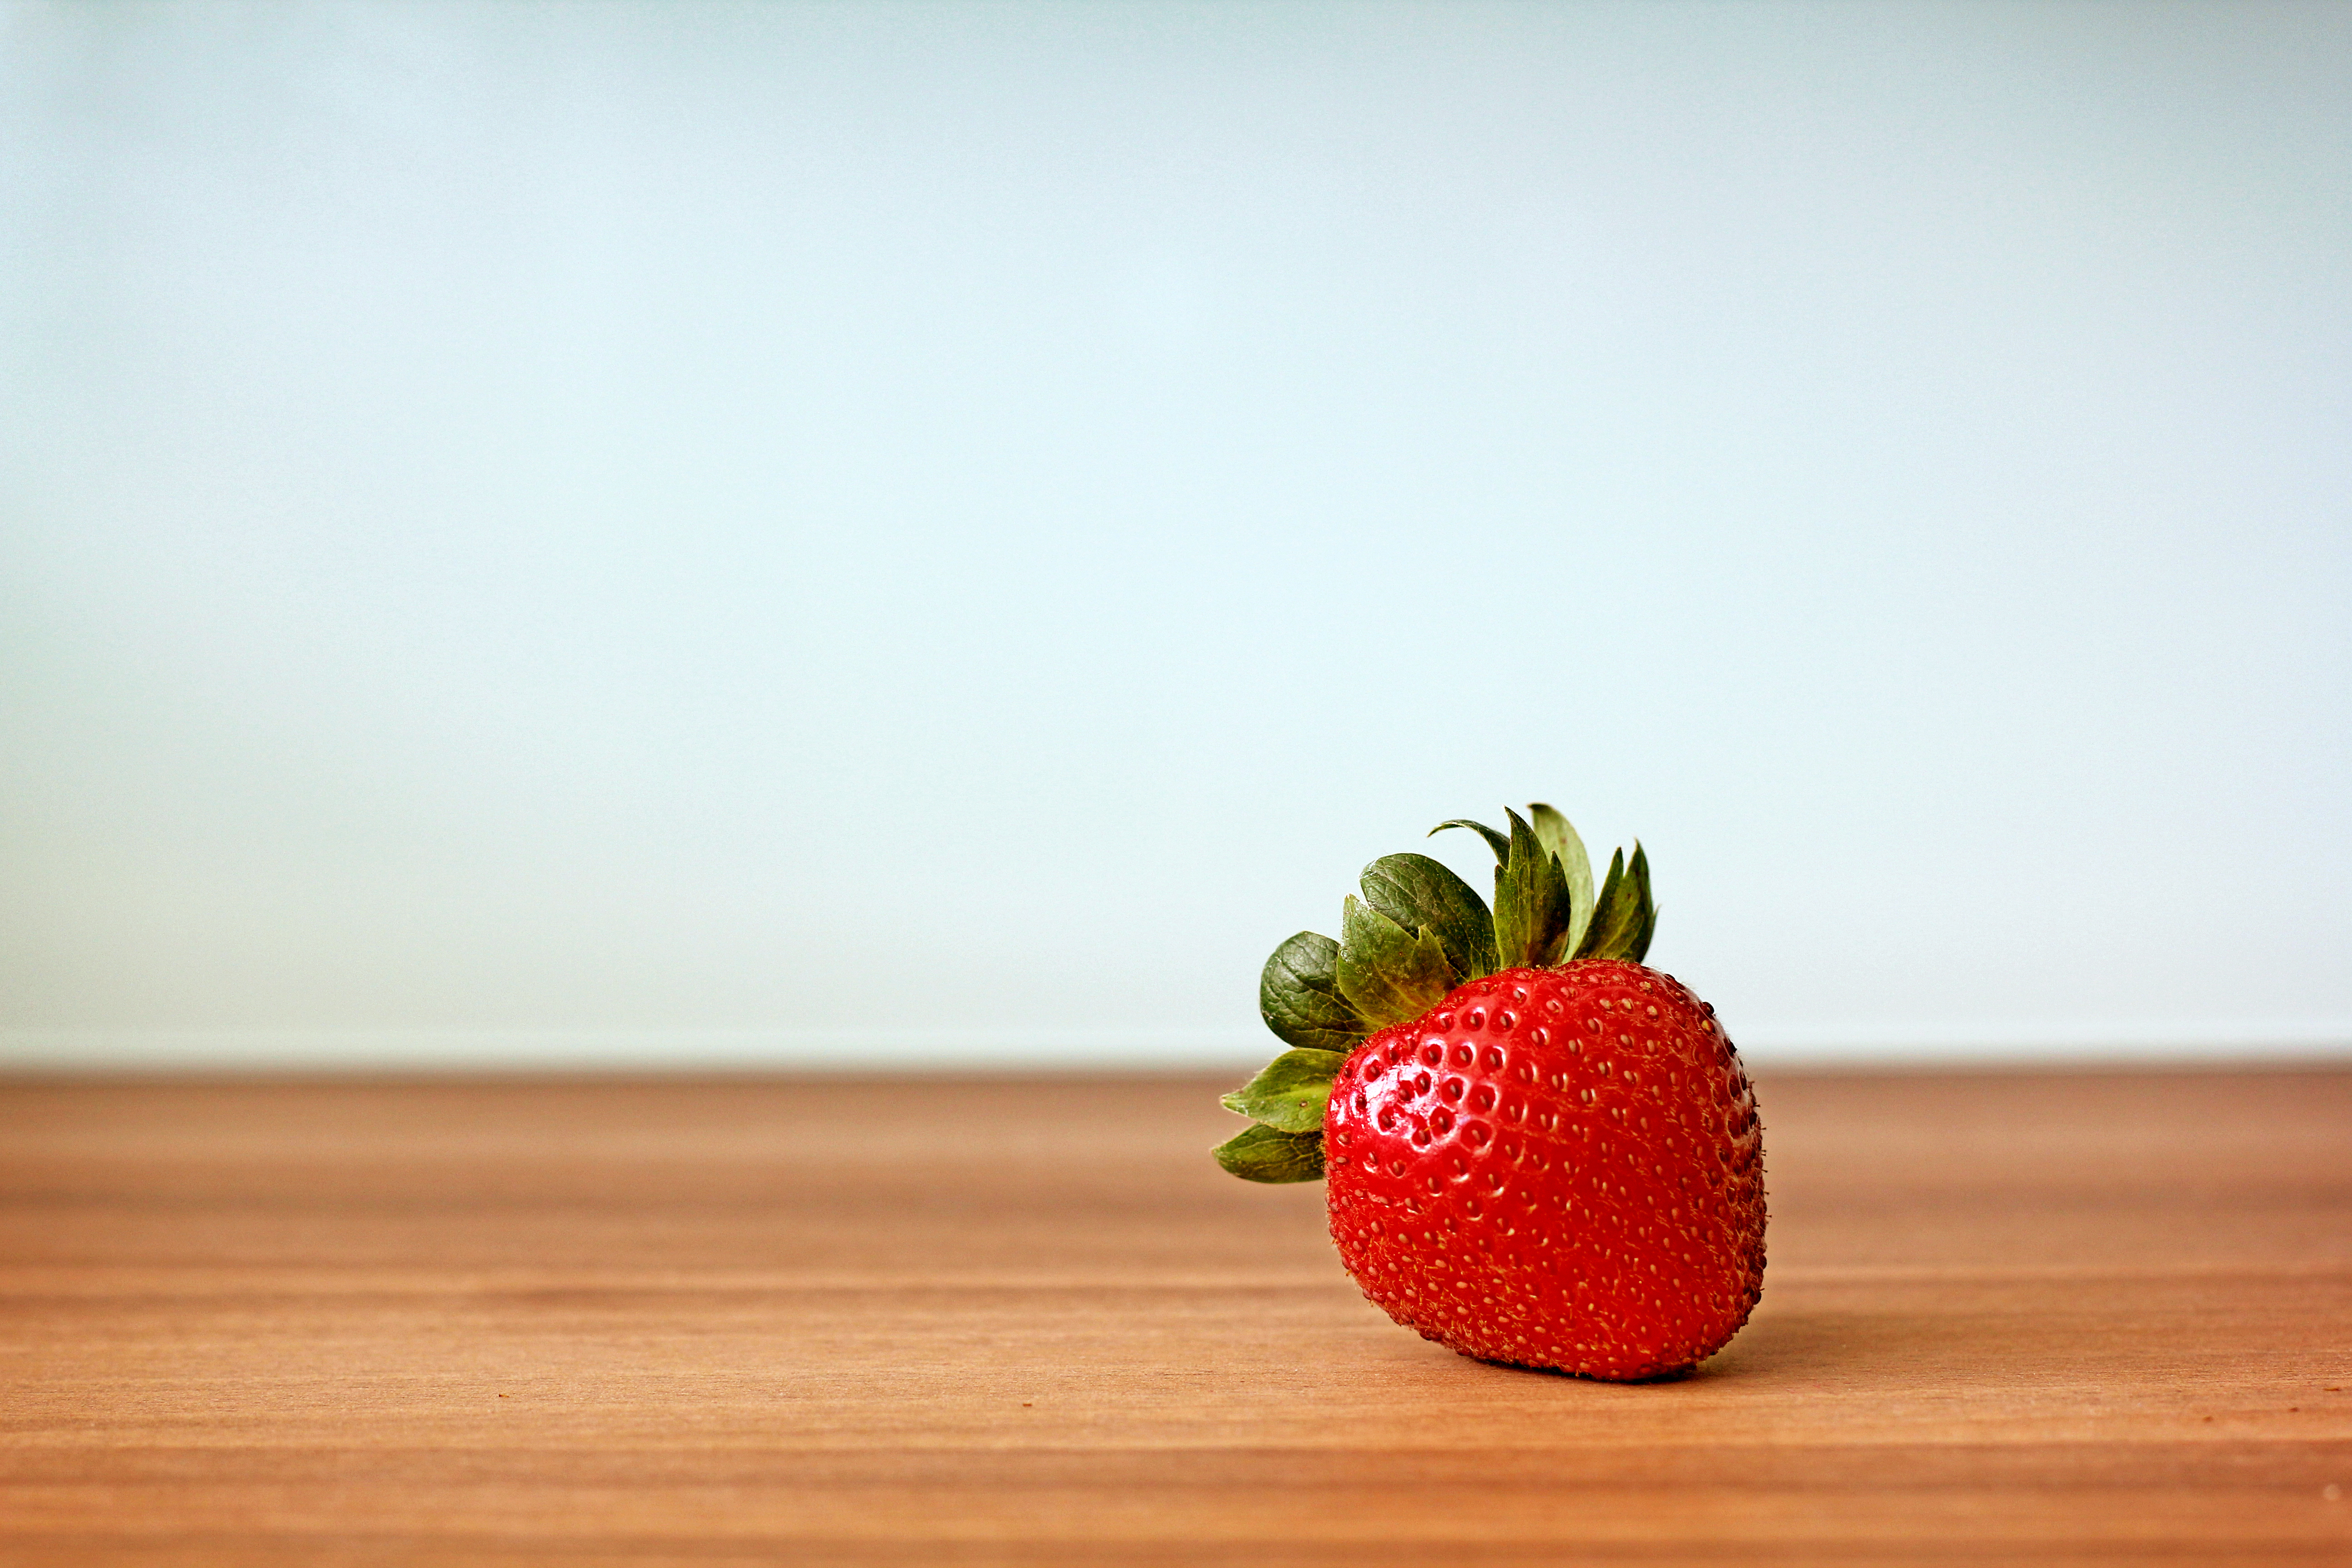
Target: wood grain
{"x": 2022, "y": 1318}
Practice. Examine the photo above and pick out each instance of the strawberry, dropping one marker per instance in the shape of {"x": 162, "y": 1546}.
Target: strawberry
{"x": 1537, "y": 1151}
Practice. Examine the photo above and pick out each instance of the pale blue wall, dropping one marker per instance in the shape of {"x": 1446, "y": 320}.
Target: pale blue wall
{"x": 810, "y": 533}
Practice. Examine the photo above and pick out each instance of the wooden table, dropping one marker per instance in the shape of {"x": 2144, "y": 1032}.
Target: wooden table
{"x": 2016, "y": 1319}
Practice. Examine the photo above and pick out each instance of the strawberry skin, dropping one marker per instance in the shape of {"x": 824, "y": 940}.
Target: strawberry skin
{"x": 1553, "y": 1167}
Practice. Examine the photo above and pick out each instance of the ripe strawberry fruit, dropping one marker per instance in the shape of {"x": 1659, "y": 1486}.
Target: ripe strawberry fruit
{"x": 1538, "y": 1151}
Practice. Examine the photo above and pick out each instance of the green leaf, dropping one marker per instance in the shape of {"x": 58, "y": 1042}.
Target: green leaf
{"x": 1389, "y": 973}
{"x": 1299, "y": 995}
{"x": 1555, "y": 833}
{"x": 1288, "y": 1095}
{"x": 1262, "y": 1155}
{"x": 1638, "y": 947}
{"x": 1633, "y": 918}
{"x": 1499, "y": 842}
{"x": 1621, "y": 911}
{"x": 1414, "y": 891}
{"x": 1604, "y": 904}
{"x": 1531, "y": 901}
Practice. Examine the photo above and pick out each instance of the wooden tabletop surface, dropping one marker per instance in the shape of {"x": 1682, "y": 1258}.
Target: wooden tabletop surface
{"x": 2014, "y": 1318}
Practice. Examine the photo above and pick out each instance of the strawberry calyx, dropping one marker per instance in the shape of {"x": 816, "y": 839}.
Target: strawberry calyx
{"x": 1418, "y": 931}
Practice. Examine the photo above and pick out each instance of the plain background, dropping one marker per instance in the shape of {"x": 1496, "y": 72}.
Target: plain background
{"x": 826, "y": 534}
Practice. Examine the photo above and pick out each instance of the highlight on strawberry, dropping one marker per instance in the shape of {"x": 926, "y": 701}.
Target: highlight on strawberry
{"x": 1537, "y": 1151}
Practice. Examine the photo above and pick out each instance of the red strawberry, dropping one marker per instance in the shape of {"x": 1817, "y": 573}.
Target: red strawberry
{"x": 1553, "y": 1164}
